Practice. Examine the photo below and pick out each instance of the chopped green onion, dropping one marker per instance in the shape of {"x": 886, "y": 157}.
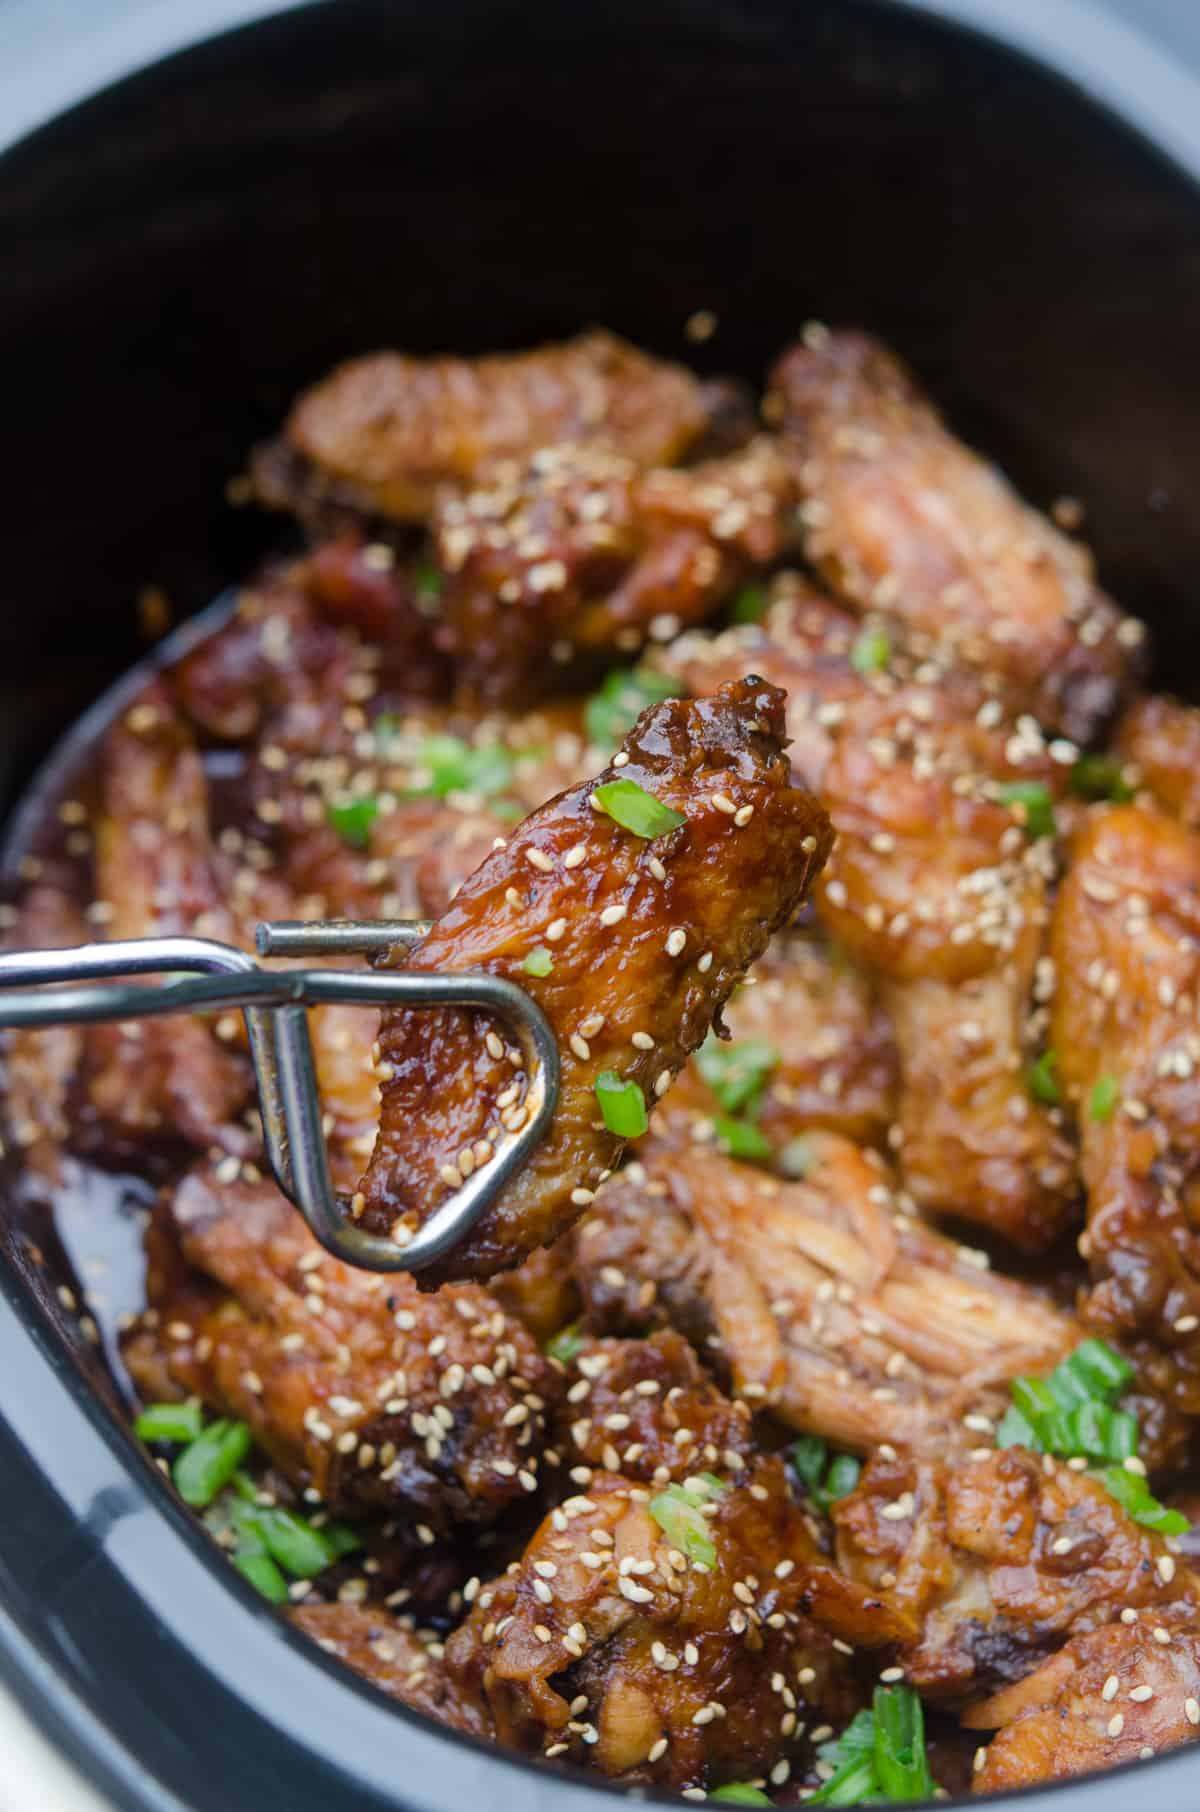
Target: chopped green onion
{"x": 880, "y": 1756}
{"x": 842, "y": 1477}
{"x": 1100, "y": 777}
{"x": 1043, "y": 1083}
{"x": 1138, "y": 1501}
{"x": 1102, "y": 1433}
{"x": 1037, "y": 807}
{"x": 1104, "y": 1097}
{"x": 741, "y": 1793}
{"x": 427, "y": 581}
{"x": 677, "y": 1513}
{"x": 341, "y": 1538}
{"x": 178, "y": 1422}
{"x": 292, "y": 1542}
{"x": 538, "y": 962}
{"x": 207, "y": 1466}
{"x": 636, "y": 810}
{"x": 899, "y": 1751}
{"x": 622, "y": 1105}
{"x": 736, "y": 1073}
{"x": 796, "y": 1158}
{"x": 567, "y": 1344}
{"x": 456, "y": 766}
{"x": 871, "y": 652}
{"x": 1101, "y": 1368}
{"x": 353, "y": 819}
{"x": 1015, "y": 1431}
{"x": 825, "y": 1479}
{"x": 749, "y": 606}
{"x": 611, "y": 713}
{"x": 741, "y": 1139}
{"x": 263, "y": 1575}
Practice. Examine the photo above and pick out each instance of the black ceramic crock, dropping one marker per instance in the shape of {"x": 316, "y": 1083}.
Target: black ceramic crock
{"x": 186, "y": 248}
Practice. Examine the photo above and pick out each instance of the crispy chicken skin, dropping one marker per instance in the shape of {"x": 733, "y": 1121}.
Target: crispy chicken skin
{"x": 998, "y": 1561}
{"x": 647, "y": 1409}
{"x": 1126, "y": 952}
{"x": 935, "y": 887}
{"x": 836, "y": 1062}
{"x": 579, "y": 554}
{"x": 356, "y": 1385}
{"x": 1067, "y": 1718}
{"x": 1158, "y": 741}
{"x": 382, "y": 433}
{"x": 904, "y": 520}
{"x": 605, "y": 1642}
{"x": 401, "y": 1661}
{"x": 818, "y": 1299}
{"x": 648, "y": 938}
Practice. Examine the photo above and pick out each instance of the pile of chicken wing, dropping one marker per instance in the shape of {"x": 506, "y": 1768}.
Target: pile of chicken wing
{"x": 804, "y": 777}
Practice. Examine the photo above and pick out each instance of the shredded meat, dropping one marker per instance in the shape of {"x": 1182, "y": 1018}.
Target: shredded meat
{"x": 821, "y": 1302}
{"x": 647, "y": 938}
{"x": 905, "y": 521}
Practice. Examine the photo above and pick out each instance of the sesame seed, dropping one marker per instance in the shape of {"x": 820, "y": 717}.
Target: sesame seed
{"x": 724, "y": 803}
{"x": 1187, "y": 1324}
{"x": 891, "y": 1674}
{"x": 656, "y": 867}
{"x": 1116, "y": 1724}
{"x": 980, "y": 1759}
{"x": 1191, "y": 1711}
{"x": 1166, "y": 1568}
{"x": 643, "y": 1041}
{"x": 581, "y": 1198}
{"x": 575, "y": 855}
{"x": 676, "y": 942}
{"x": 662, "y": 1083}
{"x": 743, "y": 815}
{"x": 1140, "y": 1694}
{"x": 1110, "y": 1689}
{"x": 555, "y": 930}
{"x": 537, "y": 858}
{"x": 612, "y": 915}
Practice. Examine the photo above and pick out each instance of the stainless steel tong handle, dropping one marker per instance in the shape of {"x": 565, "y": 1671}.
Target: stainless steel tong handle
{"x": 204, "y": 975}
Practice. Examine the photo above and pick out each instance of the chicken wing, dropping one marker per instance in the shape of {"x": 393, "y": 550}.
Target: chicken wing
{"x": 1118, "y": 1694}
{"x": 1126, "y": 951}
{"x": 998, "y": 1562}
{"x": 902, "y": 519}
{"x": 402, "y": 1661}
{"x": 647, "y": 1409}
{"x": 380, "y": 434}
{"x": 686, "y": 1651}
{"x": 819, "y": 1300}
{"x": 937, "y": 884}
{"x": 644, "y": 937}
{"x": 578, "y": 554}
{"x": 356, "y": 1385}
{"x": 1157, "y": 746}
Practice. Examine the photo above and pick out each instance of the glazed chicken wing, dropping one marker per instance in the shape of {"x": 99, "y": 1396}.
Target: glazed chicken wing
{"x": 1126, "y": 952}
{"x": 998, "y": 1562}
{"x": 643, "y": 937}
{"x": 647, "y": 1409}
{"x": 828, "y": 1054}
{"x": 937, "y": 884}
{"x": 1118, "y": 1694}
{"x": 902, "y": 519}
{"x": 685, "y": 1651}
{"x": 379, "y": 435}
{"x": 400, "y": 1660}
{"x": 819, "y": 1300}
{"x": 1157, "y": 746}
{"x": 578, "y": 554}
{"x": 356, "y": 1385}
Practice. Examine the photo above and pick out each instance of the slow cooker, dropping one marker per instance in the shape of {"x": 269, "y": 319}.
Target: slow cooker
{"x": 1006, "y": 190}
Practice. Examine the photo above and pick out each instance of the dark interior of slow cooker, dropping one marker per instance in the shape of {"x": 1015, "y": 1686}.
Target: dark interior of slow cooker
{"x": 189, "y": 248}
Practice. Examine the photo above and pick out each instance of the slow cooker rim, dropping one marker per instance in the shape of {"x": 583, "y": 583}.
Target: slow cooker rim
{"x": 1124, "y": 74}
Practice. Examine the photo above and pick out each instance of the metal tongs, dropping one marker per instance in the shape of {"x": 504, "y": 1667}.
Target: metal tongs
{"x": 203, "y": 975}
